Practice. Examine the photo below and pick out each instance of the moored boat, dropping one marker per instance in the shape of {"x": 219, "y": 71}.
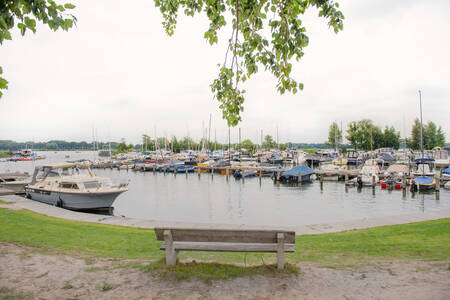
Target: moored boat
{"x": 65, "y": 186}
{"x": 423, "y": 183}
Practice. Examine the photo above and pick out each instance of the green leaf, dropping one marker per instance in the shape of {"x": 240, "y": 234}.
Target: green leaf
{"x": 69, "y": 6}
{"x": 3, "y": 83}
{"x": 30, "y": 23}
{"x": 22, "y": 28}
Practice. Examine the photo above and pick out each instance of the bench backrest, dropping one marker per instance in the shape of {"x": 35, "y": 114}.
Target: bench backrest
{"x": 226, "y": 236}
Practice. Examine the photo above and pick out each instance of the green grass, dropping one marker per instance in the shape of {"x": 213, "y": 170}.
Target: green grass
{"x": 423, "y": 241}
{"x": 215, "y": 271}
{"x": 309, "y": 151}
{"x": 3, "y": 202}
{"x": 4, "y": 154}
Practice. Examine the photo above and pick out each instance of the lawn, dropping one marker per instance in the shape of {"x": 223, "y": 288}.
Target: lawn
{"x": 425, "y": 241}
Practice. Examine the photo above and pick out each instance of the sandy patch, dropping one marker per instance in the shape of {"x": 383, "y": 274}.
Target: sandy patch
{"x": 55, "y": 276}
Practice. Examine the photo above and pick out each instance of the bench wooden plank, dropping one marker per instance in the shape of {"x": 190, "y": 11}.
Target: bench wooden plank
{"x": 227, "y": 247}
{"x": 223, "y": 235}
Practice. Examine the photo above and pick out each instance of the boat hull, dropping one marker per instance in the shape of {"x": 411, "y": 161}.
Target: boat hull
{"x": 74, "y": 201}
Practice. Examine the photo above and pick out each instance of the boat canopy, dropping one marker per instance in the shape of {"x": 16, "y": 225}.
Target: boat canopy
{"x": 59, "y": 166}
{"x": 298, "y": 169}
{"x": 424, "y": 160}
{"x": 397, "y": 169}
{"x": 386, "y": 157}
{"x": 446, "y": 171}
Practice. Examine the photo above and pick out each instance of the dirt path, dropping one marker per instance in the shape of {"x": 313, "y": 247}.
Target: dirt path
{"x": 26, "y": 274}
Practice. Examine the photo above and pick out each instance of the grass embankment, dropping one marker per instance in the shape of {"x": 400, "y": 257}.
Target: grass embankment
{"x": 424, "y": 241}
{"x": 310, "y": 151}
{"x": 4, "y": 154}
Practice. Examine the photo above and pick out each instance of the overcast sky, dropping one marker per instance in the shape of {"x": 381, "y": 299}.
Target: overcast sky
{"x": 118, "y": 72}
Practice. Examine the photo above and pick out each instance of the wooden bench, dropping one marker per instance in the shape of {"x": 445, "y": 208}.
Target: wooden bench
{"x": 176, "y": 239}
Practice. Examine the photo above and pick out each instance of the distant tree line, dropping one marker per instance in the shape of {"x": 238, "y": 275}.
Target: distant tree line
{"x": 364, "y": 135}
{"x": 55, "y": 145}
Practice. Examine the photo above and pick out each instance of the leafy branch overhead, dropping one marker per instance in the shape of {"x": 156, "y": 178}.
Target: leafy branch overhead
{"x": 24, "y": 14}
{"x": 250, "y": 47}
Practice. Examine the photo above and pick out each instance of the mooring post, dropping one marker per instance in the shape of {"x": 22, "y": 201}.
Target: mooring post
{"x": 243, "y": 175}
{"x": 175, "y": 170}
{"x": 321, "y": 181}
{"x": 186, "y": 171}
{"x": 438, "y": 184}
{"x": 212, "y": 171}
{"x": 404, "y": 182}
{"x": 165, "y": 169}
{"x": 227, "y": 172}
{"x": 198, "y": 171}
{"x": 373, "y": 181}
{"x": 278, "y": 175}
{"x": 154, "y": 169}
{"x": 299, "y": 179}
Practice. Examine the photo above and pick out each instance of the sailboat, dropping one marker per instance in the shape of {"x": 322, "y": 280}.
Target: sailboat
{"x": 422, "y": 182}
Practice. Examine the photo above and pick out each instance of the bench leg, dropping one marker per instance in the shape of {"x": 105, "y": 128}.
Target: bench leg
{"x": 171, "y": 257}
{"x": 280, "y": 251}
{"x": 171, "y": 253}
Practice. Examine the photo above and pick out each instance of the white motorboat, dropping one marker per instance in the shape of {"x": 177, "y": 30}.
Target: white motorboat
{"x": 14, "y": 181}
{"x": 66, "y": 186}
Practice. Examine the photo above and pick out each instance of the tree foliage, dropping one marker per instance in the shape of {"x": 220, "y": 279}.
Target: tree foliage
{"x": 391, "y": 137}
{"x": 24, "y": 14}
{"x": 268, "y": 142}
{"x": 432, "y": 136}
{"x": 248, "y": 146}
{"x": 366, "y": 136}
{"x": 250, "y": 46}
{"x": 334, "y": 135}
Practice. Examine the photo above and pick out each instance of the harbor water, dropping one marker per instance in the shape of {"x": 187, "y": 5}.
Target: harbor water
{"x": 214, "y": 199}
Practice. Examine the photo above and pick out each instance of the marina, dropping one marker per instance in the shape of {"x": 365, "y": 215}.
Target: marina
{"x": 207, "y": 195}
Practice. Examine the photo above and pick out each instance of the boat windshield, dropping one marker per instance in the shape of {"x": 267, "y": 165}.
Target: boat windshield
{"x": 91, "y": 185}
{"x": 68, "y": 185}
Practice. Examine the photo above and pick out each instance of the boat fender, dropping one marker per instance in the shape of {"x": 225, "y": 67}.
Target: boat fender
{"x": 359, "y": 182}
{"x": 60, "y": 202}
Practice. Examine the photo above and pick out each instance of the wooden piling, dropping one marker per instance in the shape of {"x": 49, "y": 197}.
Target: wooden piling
{"x": 404, "y": 182}
{"x": 278, "y": 175}
{"x": 165, "y": 169}
{"x": 346, "y": 180}
{"x": 321, "y": 182}
{"x": 227, "y": 173}
{"x": 373, "y": 181}
{"x": 438, "y": 184}
{"x": 212, "y": 171}
{"x": 154, "y": 169}
{"x": 175, "y": 171}
{"x": 299, "y": 179}
{"x": 198, "y": 171}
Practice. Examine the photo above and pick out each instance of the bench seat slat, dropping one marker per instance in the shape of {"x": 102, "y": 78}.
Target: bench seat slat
{"x": 226, "y": 235}
{"x": 228, "y": 247}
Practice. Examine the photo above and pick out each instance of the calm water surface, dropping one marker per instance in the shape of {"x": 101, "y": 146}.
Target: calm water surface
{"x": 213, "y": 199}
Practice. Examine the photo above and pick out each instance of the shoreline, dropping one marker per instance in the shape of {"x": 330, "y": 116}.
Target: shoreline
{"x": 53, "y": 211}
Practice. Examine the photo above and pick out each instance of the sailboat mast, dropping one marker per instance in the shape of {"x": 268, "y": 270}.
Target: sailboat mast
{"x": 421, "y": 124}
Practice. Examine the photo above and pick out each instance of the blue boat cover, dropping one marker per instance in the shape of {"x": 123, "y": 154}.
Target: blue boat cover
{"x": 423, "y": 180}
{"x": 295, "y": 170}
{"x": 446, "y": 171}
{"x": 423, "y": 160}
{"x": 276, "y": 156}
{"x": 386, "y": 157}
